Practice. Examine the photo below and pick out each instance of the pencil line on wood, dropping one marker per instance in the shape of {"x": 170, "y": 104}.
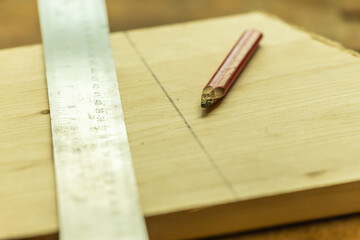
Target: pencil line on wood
{"x": 213, "y": 163}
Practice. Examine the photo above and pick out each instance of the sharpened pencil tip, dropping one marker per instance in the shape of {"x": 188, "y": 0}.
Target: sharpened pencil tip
{"x": 210, "y": 96}
{"x": 206, "y": 104}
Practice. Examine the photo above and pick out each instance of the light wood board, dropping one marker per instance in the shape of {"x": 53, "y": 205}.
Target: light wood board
{"x": 282, "y": 147}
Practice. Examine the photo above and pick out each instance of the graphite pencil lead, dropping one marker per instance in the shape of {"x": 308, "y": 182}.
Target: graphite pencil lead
{"x": 206, "y": 103}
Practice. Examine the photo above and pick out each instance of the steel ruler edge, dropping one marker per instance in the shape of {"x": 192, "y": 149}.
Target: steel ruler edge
{"x": 96, "y": 187}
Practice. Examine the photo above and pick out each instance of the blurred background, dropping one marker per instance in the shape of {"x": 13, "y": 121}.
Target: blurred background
{"x": 338, "y": 20}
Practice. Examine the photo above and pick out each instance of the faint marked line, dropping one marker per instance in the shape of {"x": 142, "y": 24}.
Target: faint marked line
{"x": 225, "y": 180}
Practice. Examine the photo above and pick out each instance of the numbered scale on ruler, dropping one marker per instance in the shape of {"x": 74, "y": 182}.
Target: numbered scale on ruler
{"x": 96, "y": 187}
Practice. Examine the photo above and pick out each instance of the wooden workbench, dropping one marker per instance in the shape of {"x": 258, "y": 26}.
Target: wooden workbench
{"x": 281, "y": 148}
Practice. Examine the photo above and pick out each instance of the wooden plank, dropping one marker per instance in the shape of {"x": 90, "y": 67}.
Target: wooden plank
{"x": 282, "y": 147}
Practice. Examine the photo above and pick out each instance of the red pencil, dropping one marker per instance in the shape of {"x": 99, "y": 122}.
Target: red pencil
{"x": 230, "y": 68}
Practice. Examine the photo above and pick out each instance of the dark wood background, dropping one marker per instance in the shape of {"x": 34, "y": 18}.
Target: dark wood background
{"x": 338, "y": 20}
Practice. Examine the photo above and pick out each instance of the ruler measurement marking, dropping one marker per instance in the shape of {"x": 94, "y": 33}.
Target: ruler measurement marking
{"x": 96, "y": 187}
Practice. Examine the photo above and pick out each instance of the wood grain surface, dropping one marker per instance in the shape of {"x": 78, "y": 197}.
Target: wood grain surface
{"x": 286, "y": 151}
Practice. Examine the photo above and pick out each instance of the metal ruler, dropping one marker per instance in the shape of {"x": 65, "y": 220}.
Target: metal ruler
{"x": 96, "y": 187}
